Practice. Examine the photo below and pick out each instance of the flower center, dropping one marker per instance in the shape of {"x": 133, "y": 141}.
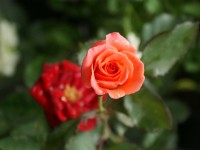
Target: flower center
{"x": 111, "y": 67}
{"x": 71, "y": 94}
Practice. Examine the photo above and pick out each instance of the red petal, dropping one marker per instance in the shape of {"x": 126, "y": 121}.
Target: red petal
{"x": 88, "y": 125}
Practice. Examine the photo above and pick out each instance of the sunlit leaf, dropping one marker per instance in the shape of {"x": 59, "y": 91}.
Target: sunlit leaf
{"x": 166, "y": 49}
{"x": 83, "y": 141}
{"x": 148, "y": 111}
{"x": 126, "y": 120}
{"x": 165, "y": 139}
{"x": 161, "y": 23}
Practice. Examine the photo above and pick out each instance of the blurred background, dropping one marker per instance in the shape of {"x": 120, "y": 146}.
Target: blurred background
{"x": 35, "y": 32}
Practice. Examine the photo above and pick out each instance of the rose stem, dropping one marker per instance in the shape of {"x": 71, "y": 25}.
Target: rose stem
{"x": 101, "y": 108}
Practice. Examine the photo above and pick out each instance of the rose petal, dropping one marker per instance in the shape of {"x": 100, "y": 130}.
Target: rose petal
{"x": 123, "y": 75}
{"x": 87, "y": 125}
{"x": 134, "y": 82}
{"x": 119, "y": 42}
{"x": 88, "y": 62}
{"x": 99, "y": 76}
{"x": 116, "y": 94}
{"x": 60, "y": 115}
{"x": 119, "y": 78}
{"x": 99, "y": 43}
{"x": 122, "y": 59}
{"x": 107, "y": 84}
{"x": 67, "y": 65}
{"x": 110, "y": 50}
{"x": 38, "y": 93}
{"x": 112, "y": 67}
{"x": 89, "y": 98}
{"x": 98, "y": 90}
{"x": 103, "y": 70}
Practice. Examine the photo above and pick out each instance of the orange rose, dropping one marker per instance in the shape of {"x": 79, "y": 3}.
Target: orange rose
{"x": 111, "y": 66}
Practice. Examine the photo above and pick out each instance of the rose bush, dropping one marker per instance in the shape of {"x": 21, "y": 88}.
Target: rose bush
{"x": 111, "y": 66}
{"x": 63, "y": 96}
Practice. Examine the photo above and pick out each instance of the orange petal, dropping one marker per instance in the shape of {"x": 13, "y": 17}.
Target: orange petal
{"x": 116, "y": 94}
{"x": 100, "y": 76}
{"x": 109, "y": 50}
{"x": 119, "y": 42}
{"x": 126, "y": 69}
{"x": 134, "y": 82}
{"x": 87, "y": 64}
{"x": 123, "y": 75}
{"x": 98, "y": 90}
{"x": 99, "y": 43}
{"x": 103, "y": 69}
{"x": 107, "y": 84}
{"x": 122, "y": 59}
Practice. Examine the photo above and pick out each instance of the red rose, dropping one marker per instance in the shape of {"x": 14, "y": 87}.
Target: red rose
{"x": 111, "y": 66}
{"x": 63, "y": 96}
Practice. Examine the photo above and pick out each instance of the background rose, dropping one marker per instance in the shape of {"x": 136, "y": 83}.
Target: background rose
{"x": 63, "y": 96}
{"x": 111, "y": 66}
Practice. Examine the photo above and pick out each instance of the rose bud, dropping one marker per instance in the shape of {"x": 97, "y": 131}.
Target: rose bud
{"x": 63, "y": 96}
{"x": 112, "y": 67}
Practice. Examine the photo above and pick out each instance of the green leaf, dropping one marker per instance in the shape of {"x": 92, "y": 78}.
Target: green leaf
{"x": 81, "y": 56}
{"x": 36, "y": 130}
{"x": 186, "y": 84}
{"x": 83, "y": 141}
{"x": 107, "y": 102}
{"x": 165, "y": 139}
{"x": 57, "y": 139}
{"x": 192, "y": 8}
{"x": 84, "y": 47}
{"x": 166, "y": 49}
{"x": 148, "y": 111}
{"x": 179, "y": 110}
{"x": 22, "y": 143}
{"x": 4, "y": 126}
{"x": 123, "y": 146}
{"x": 33, "y": 70}
{"x": 153, "y": 6}
{"x": 120, "y": 130}
{"x": 23, "y": 121}
{"x": 123, "y": 118}
{"x": 18, "y": 108}
{"x": 161, "y": 23}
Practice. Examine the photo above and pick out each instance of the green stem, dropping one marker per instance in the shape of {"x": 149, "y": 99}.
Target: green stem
{"x": 101, "y": 108}
{"x": 104, "y": 122}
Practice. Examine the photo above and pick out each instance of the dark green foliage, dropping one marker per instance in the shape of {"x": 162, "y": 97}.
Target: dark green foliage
{"x": 53, "y": 30}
